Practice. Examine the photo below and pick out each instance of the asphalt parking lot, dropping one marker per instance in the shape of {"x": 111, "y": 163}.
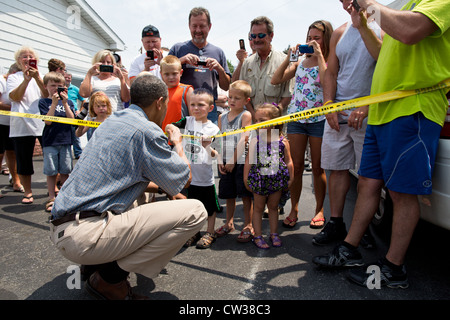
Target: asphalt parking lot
{"x": 31, "y": 268}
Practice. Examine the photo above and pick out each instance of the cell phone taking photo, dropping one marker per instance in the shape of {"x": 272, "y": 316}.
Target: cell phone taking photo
{"x": 60, "y": 90}
{"x": 242, "y": 44}
{"x": 356, "y": 5}
{"x": 106, "y": 68}
{"x": 304, "y": 48}
{"x": 151, "y": 54}
{"x": 33, "y": 63}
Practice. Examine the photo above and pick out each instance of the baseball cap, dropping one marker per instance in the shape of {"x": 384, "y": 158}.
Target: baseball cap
{"x": 150, "y": 31}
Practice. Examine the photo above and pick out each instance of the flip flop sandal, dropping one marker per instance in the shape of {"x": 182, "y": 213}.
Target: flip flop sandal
{"x": 289, "y": 226}
{"x": 313, "y": 226}
{"x": 276, "y": 241}
{"x": 21, "y": 189}
{"x": 223, "y": 231}
{"x": 28, "y": 198}
{"x": 260, "y": 243}
{"x": 245, "y": 236}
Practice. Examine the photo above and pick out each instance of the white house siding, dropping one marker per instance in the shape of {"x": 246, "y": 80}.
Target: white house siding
{"x": 47, "y": 27}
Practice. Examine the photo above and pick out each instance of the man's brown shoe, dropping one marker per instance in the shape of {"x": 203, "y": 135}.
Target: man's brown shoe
{"x": 102, "y": 290}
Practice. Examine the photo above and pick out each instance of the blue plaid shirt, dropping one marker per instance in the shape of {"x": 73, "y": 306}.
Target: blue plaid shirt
{"x": 125, "y": 153}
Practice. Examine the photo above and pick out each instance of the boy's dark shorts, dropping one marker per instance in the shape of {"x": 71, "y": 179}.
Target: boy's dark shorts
{"x": 207, "y": 195}
{"x": 231, "y": 185}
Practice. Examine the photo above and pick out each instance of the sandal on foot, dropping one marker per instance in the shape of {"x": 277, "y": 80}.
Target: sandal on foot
{"x": 49, "y": 205}
{"x": 312, "y": 225}
{"x": 223, "y": 231}
{"x": 20, "y": 189}
{"x": 260, "y": 243}
{"x": 276, "y": 241}
{"x": 193, "y": 240}
{"x": 288, "y": 225}
{"x": 245, "y": 236}
{"x": 206, "y": 241}
{"x": 30, "y": 200}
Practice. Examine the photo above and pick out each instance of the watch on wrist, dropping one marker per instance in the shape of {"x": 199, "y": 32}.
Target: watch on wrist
{"x": 160, "y": 191}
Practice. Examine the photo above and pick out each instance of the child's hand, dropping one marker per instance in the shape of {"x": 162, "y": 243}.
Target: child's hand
{"x": 206, "y": 141}
{"x": 229, "y": 167}
{"x": 221, "y": 168}
{"x": 55, "y": 98}
{"x": 64, "y": 96}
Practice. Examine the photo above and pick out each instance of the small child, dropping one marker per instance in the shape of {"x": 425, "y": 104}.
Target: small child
{"x": 171, "y": 71}
{"x": 99, "y": 110}
{"x": 268, "y": 172}
{"x": 56, "y": 137}
{"x": 231, "y": 170}
{"x": 200, "y": 154}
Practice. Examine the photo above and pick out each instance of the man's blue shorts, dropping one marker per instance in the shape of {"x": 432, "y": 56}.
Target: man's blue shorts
{"x": 402, "y": 153}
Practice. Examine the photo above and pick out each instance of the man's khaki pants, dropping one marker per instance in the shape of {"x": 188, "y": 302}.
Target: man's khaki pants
{"x": 142, "y": 240}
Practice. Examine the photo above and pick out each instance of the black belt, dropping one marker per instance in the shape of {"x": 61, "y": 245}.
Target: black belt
{"x": 73, "y": 216}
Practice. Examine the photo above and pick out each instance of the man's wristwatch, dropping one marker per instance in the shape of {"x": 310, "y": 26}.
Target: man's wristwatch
{"x": 160, "y": 191}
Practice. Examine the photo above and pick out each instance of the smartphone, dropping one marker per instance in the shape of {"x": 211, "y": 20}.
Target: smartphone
{"x": 294, "y": 56}
{"x": 60, "y": 90}
{"x": 151, "y": 54}
{"x": 33, "y": 63}
{"x": 304, "y": 48}
{"x": 106, "y": 68}
{"x": 356, "y": 5}
{"x": 242, "y": 44}
{"x": 201, "y": 63}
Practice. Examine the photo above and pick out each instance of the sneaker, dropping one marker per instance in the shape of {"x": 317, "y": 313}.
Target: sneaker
{"x": 388, "y": 276}
{"x": 331, "y": 232}
{"x": 341, "y": 256}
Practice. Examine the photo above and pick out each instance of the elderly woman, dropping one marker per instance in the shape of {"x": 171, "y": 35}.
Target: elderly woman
{"x": 112, "y": 82}
{"x": 25, "y": 88}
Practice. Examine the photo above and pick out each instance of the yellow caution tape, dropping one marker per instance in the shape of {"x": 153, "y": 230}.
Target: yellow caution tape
{"x": 77, "y": 122}
{"x": 315, "y": 112}
{"x": 339, "y": 106}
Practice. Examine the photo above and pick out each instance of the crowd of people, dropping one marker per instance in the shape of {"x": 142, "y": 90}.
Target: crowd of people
{"x": 128, "y": 157}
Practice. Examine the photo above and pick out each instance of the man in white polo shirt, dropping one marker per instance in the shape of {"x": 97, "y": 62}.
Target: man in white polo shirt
{"x": 151, "y": 42}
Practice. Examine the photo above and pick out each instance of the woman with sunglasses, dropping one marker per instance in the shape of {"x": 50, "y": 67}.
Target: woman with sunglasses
{"x": 308, "y": 93}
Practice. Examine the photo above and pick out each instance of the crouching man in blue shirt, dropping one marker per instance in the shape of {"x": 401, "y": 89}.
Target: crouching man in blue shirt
{"x": 128, "y": 155}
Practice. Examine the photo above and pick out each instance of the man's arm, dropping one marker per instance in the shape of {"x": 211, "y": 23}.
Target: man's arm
{"x": 177, "y": 140}
{"x": 371, "y": 40}
{"x": 330, "y": 81}
{"x": 407, "y": 27}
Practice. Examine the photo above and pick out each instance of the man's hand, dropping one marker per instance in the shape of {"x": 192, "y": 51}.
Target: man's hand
{"x": 174, "y": 134}
{"x": 356, "y": 118}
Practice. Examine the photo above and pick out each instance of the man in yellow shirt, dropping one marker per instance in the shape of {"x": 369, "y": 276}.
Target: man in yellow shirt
{"x": 403, "y": 135}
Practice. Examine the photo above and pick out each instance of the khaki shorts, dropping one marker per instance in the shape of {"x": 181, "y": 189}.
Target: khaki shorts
{"x": 342, "y": 150}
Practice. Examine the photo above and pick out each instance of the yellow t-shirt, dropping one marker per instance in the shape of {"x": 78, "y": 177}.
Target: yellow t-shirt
{"x": 408, "y": 67}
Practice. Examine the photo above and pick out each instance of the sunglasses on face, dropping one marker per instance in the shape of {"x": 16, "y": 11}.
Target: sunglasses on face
{"x": 259, "y": 35}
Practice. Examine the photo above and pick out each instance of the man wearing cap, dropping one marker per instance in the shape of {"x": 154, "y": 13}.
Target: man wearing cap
{"x": 151, "y": 42}
{"x": 204, "y": 65}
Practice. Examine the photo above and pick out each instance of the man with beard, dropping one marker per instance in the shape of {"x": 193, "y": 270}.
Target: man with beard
{"x": 204, "y": 65}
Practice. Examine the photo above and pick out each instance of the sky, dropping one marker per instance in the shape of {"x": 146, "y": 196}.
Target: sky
{"x": 230, "y": 20}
